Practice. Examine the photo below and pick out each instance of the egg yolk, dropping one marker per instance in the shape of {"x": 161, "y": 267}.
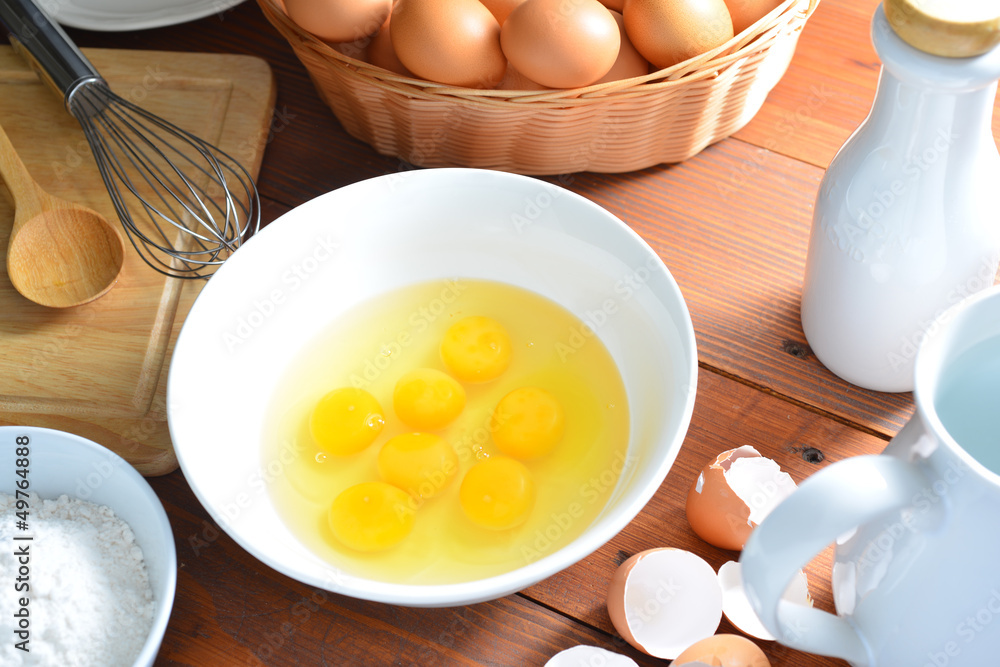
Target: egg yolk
{"x": 428, "y": 399}
{"x": 422, "y": 464}
{"x": 476, "y": 349}
{"x": 527, "y": 423}
{"x": 345, "y": 421}
{"x": 497, "y": 493}
{"x": 371, "y": 516}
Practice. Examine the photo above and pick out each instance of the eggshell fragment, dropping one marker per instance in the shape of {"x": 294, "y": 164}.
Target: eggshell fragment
{"x": 736, "y": 605}
{"x": 589, "y": 655}
{"x": 663, "y": 600}
{"x": 733, "y": 494}
{"x": 723, "y": 651}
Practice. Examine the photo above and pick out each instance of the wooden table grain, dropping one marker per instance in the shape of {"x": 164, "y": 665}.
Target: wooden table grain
{"x": 732, "y": 226}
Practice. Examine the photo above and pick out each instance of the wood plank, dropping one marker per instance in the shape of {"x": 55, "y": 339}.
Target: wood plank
{"x": 726, "y": 415}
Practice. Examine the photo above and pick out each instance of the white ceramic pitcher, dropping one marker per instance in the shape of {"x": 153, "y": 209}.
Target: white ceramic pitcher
{"x": 916, "y": 574}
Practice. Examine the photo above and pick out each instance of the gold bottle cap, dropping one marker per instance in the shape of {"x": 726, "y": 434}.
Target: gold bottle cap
{"x": 950, "y": 28}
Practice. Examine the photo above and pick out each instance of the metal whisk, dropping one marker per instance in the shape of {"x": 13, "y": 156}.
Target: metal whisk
{"x": 185, "y": 204}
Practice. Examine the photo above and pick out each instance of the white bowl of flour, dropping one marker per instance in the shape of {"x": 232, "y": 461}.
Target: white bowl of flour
{"x": 88, "y": 565}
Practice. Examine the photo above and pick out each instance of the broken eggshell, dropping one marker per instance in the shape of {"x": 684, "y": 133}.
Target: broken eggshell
{"x": 733, "y": 494}
{"x": 662, "y": 601}
{"x": 736, "y": 605}
{"x": 723, "y": 651}
{"x": 589, "y": 655}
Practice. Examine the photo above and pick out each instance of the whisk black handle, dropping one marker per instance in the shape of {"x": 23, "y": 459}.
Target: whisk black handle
{"x": 52, "y": 49}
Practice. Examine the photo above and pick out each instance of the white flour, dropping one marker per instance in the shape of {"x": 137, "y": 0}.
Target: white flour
{"x": 90, "y": 602}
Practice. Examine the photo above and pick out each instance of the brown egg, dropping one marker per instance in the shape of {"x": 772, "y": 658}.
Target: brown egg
{"x": 381, "y": 54}
{"x": 561, "y": 44}
{"x": 456, "y": 42}
{"x": 339, "y": 20}
{"x": 630, "y": 62}
{"x": 357, "y": 49}
{"x": 733, "y": 494}
{"x": 667, "y": 32}
{"x": 501, "y": 9}
{"x": 723, "y": 651}
{"x": 514, "y": 80}
{"x": 747, "y": 12}
{"x": 613, "y": 4}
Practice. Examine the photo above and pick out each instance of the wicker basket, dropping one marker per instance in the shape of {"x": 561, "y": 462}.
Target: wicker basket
{"x": 665, "y": 116}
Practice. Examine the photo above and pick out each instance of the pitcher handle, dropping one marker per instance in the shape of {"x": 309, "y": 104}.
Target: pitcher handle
{"x": 828, "y": 504}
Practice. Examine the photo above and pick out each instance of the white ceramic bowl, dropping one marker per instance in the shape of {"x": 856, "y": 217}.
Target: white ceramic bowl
{"x": 63, "y": 463}
{"x": 300, "y": 272}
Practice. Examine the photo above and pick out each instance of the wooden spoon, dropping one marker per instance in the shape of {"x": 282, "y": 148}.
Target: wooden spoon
{"x": 60, "y": 254}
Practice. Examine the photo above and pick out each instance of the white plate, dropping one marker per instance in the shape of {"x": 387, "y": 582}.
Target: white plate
{"x": 120, "y": 15}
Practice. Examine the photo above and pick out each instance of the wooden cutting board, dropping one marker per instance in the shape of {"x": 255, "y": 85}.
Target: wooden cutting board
{"x": 99, "y": 370}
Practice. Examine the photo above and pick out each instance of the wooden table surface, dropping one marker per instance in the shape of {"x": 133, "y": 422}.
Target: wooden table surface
{"x": 732, "y": 226}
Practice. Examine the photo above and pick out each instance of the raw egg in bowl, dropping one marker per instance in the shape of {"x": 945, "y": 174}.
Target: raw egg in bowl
{"x": 433, "y": 388}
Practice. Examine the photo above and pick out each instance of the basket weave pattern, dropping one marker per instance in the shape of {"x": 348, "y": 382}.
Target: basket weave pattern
{"x": 666, "y": 116}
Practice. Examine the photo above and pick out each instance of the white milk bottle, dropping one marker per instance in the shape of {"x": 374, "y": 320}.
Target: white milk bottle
{"x": 907, "y": 219}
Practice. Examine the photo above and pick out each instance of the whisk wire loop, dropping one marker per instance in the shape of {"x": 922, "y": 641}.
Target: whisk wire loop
{"x": 183, "y": 184}
{"x": 144, "y": 132}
